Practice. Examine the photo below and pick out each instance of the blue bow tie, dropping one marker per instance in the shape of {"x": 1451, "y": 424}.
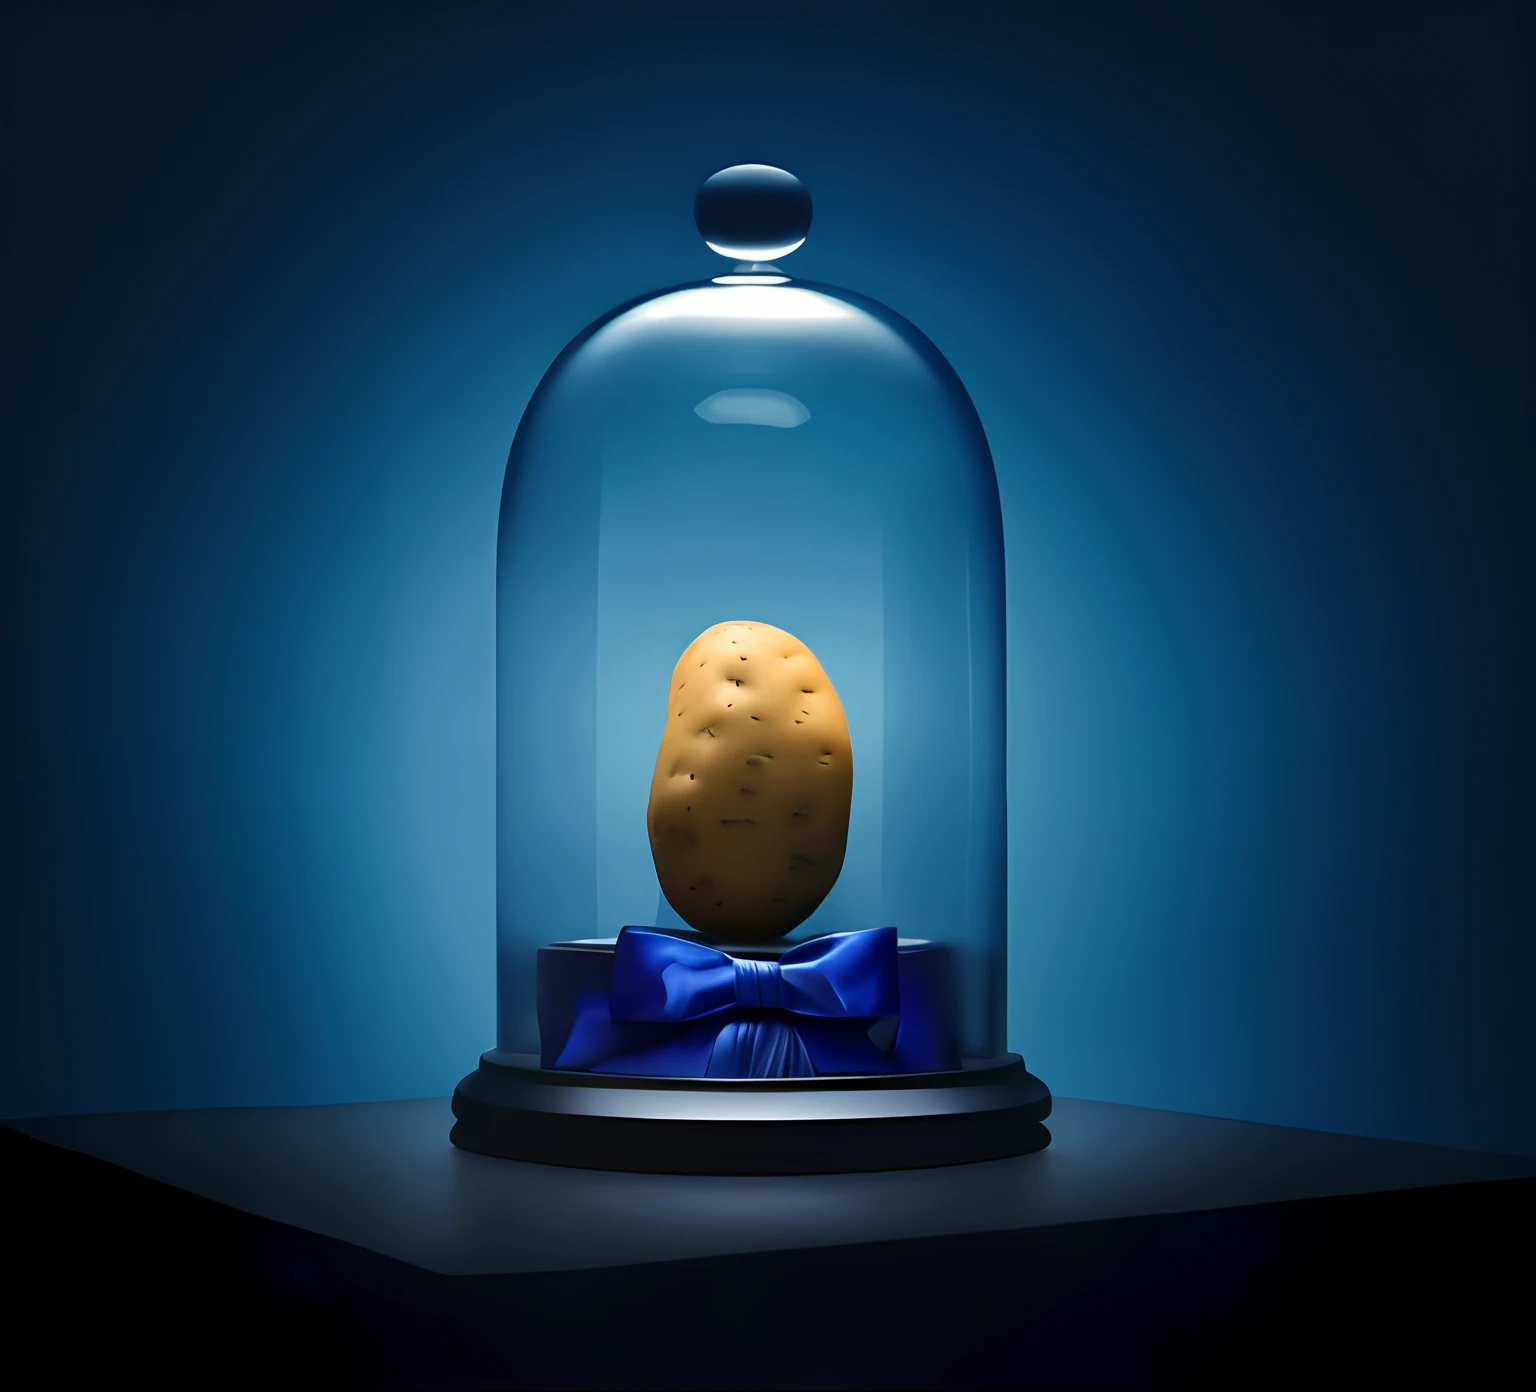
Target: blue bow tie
{"x": 806, "y": 1014}
{"x": 665, "y": 979}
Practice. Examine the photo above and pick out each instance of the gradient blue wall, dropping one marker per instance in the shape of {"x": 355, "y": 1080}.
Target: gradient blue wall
{"x": 1244, "y": 301}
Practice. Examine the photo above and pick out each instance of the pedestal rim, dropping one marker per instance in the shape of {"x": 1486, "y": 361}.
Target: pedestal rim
{"x": 511, "y": 1108}
{"x": 974, "y": 1073}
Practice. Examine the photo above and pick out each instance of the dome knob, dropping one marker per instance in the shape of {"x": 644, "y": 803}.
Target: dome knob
{"x": 753, "y": 212}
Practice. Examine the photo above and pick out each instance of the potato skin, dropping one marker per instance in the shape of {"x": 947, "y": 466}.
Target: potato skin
{"x": 748, "y": 814}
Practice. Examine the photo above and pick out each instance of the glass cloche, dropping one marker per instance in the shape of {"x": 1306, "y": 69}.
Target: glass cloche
{"x": 751, "y": 818}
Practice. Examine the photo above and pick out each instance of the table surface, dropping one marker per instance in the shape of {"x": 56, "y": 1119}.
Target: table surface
{"x": 384, "y": 1176}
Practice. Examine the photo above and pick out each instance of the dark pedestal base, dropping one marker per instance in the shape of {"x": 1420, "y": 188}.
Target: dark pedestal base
{"x": 511, "y": 1107}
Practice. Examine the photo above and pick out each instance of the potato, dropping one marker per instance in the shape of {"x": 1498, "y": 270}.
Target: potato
{"x": 748, "y": 815}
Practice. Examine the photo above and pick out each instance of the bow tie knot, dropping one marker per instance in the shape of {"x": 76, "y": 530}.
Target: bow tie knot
{"x": 758, "y": 983}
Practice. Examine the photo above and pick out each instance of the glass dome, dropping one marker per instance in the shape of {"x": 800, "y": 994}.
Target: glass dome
{"x": 799, "y": 461}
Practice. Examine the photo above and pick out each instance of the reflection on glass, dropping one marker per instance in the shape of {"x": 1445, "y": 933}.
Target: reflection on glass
{"x": 753, "y": 406}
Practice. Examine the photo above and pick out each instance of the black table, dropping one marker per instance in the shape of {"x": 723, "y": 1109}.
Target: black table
{"x": 1141, "y": 1248}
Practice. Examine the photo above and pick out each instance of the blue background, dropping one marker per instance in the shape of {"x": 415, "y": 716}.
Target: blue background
{"x": 1243, "y": 298}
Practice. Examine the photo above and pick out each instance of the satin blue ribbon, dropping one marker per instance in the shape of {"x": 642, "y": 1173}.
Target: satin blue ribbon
{"x": 807, "y": 1014}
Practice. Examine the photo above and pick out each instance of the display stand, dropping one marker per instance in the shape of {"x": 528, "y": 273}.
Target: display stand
{"x": 513, "y": 1108}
